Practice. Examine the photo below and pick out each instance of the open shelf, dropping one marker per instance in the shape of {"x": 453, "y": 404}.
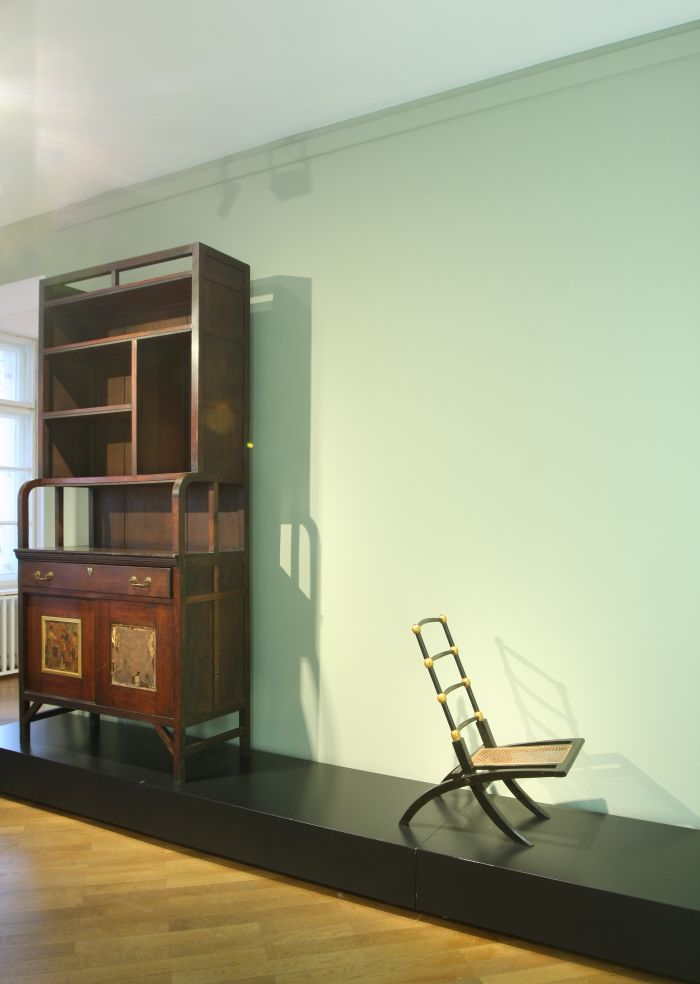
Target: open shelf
{"x": 164, "y": 398}
{"x": 142, "y": 517}
{"x": 87, "y": 408}
{"x": 83, "y": 444}
{"x": 142, "y": 308}
{"x": 136, "y": 517}
{"x": 91, "y": 344}
{"x": 78, "y": 379}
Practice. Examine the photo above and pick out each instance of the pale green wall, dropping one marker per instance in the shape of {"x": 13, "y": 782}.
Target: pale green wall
{"x": 475, "y": 371}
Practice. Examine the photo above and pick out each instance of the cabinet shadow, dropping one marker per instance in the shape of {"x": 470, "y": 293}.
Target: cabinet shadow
{"x": 284, "y": 537}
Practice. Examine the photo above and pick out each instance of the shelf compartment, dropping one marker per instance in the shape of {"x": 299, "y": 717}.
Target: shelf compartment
{"x": 137, "y": 308}
{"x": 93, "y": 344}
{"x": 84, "y": 444}
{"x": 230, "y": 517}
{"x": 132, "y": 517}
{"x": 80, "y": 380}
{"x": 163, "y": 404}
{"x": 232, "y": 511}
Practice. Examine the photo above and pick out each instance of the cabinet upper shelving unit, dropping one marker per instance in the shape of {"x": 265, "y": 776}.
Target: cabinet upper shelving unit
{"x": 123, "y": 394}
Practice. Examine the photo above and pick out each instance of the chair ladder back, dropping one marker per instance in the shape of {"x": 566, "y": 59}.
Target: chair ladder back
{"x": 456, "y": 727}
{"x": 481, "y": 722}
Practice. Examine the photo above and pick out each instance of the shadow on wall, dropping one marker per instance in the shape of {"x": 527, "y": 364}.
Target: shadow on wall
{"x": 289, "y": 172}
{"x": 284, "y": 538}
{"x": 546, "y": 712}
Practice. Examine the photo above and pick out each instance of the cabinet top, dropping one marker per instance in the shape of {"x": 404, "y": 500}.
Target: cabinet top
{"x": 195, "y": 252}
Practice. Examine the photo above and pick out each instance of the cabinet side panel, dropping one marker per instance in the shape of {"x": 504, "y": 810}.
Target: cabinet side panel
{"x": 223, "y": 350}
{"x": 231, "y": 574}
{"x": 226, "y": 273}
{"x": 198, "y": 517}
{"x": 199, "y": 580}
{"x": 197, "y": 677}
{"x": 222, "y": 397}
{"x": 232, "y": 651}
{"x": 232, "y": 506}
{"x": 223, "y": 311}
{"x": 224, "y": 382}
{"x": 222, "y": 441}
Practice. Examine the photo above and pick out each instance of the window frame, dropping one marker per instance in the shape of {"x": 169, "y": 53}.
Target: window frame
{"x": 28, "y": 410}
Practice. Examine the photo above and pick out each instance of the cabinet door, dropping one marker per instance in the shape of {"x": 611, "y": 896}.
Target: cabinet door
{"x": 137, "y": 650}
{"x": 60, "y": 647}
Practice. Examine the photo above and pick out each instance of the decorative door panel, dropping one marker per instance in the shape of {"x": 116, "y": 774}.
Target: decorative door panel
{"x": 60, "y": 647}
{"x": 138, "y": 646}
{"x": 133, "y": 656}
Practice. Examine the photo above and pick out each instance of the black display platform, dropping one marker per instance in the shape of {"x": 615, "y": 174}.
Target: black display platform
{"x": 621, "y": 890}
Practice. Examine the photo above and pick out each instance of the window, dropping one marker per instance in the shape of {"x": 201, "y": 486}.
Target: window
{"x": 16, "y": 442}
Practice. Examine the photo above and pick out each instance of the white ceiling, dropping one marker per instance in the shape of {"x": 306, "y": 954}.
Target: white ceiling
{"x": 99, "y": 94}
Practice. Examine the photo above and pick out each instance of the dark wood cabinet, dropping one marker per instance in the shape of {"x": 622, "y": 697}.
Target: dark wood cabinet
{"x": 143, "y": 382}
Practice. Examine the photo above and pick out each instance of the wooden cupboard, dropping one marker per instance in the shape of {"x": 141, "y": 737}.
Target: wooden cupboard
{"x": 143, "y": 404}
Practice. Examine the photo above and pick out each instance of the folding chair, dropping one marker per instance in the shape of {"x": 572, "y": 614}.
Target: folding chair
{"x": 490, "y": 762}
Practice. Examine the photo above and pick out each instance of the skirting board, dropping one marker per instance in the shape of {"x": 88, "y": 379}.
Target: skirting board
{"x": 612, "y": 888}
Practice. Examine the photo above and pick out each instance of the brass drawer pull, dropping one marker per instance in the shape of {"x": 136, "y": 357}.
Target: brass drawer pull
{"x": 133, "y": 581}
{"x": 43, "y": 577}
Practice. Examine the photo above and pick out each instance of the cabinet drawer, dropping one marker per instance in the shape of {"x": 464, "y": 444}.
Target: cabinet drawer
{"x": 105, "y": 579}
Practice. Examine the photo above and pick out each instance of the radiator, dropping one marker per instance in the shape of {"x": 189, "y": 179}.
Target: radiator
{"x": 8, "y": 634}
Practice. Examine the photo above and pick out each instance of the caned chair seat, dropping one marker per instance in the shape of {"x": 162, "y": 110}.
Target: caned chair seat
{"x": 505, "y": 756}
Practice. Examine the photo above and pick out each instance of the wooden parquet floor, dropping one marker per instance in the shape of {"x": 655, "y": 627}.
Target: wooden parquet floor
{"x": 8, "y": 699}
{"x": 82, "y": 903}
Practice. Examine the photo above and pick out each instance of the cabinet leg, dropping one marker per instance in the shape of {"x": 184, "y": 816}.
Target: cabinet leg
{"x": 24, "y": 722}
{"x": 27, "y": 711}
{"x": 179, "y": 759}
{"x": 244, "y": 721}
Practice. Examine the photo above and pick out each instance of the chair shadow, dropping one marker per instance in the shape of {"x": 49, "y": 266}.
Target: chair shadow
{"x": 546, "y": 712}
